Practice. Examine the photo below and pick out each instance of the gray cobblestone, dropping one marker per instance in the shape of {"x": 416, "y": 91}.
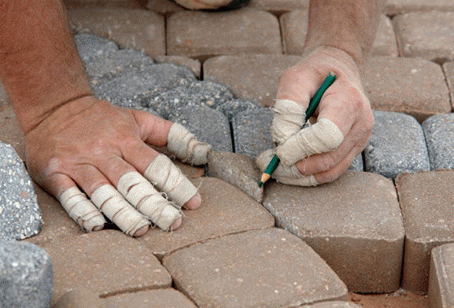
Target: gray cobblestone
{"x": 439, "y": 132}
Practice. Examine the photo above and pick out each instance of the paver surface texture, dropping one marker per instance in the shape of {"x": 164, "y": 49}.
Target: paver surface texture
{"x": 371, "y": 231}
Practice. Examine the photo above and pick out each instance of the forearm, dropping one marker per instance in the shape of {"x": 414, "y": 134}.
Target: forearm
{"x": 39, "y": 64}
{"x": 349, "y": 25}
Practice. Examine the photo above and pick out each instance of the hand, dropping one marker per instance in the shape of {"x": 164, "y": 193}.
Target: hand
{"x": 92, "y": 145}
{"x": 323, "y": 151}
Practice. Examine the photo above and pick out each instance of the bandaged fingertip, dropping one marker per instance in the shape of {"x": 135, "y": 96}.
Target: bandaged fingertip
{"x": 186, "y": 147}
{"x": 289, "y": 117}
{"x": 81, "y": 210}
{"x": 283, "y": 174}
{"x": 169, "y": 179}
{"x": 109, "y": 201}
{"x": 321, "y": 137}
{"x": 147, "y": 200}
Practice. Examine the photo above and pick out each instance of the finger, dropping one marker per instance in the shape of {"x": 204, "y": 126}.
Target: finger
{"x": 288, "y": 119}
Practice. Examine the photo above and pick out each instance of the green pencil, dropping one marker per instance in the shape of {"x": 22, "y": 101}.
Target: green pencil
{"x": 315, "y": 100}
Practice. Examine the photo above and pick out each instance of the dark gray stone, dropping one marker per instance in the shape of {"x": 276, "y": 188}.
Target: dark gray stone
{"x": 397, "y": 145}
{"x": 357, "y": 163}
{"x": 26, "y": 278}
{"x": 92, "y": 46}
{"x": 251, "y": 131}
{"x": 233, "y": 107}
{"x": 20, "y": 216}
{"x": 207, "y": 124}
{"x": 439, "y": 132}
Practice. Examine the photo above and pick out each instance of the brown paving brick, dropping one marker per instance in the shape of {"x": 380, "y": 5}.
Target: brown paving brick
{"x": 294, "y": 29}
{"x": 395, "y": 7}
{"x": 426, "y": 35}
{"x": 225, "y": 209}
{"x": 150, "y": 299}
{"x": 441, "y": 277}
{"x": 137, "y": 29}
{"x": 106, "y": 262}
{"x": 413, "y": 86}
{"x": 202, "y": 34}
{"x": 279, "y": 6}
{"x": 194, "y": 65}
{"x": 261, "y": 268}
{"x": 449, "y": 73}
{"x": 354, "y": 224}
{"x": 80, "y": 298}
{"x": 426, "y": 200}
{"x": 164, "y": 7}
{"x": 10, "y": 131}
{"x": 332, "y": 305}
{"x": 252, "y": 77}
{"x": 102, "y": 3}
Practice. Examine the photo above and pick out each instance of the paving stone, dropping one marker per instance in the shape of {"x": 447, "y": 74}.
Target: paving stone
{"x": 449, "y": 73}
{"x": 353, "y": 223}
{"x": 357, "y": 163}
{"x": 10, "y": 131}
{"x": 441, "y": 277}
{"x": 194, "y": 65}
{"x": 101, "y": 3}
{"x": 279, "y": 6}
{"x": 238, "y": 170}
{"x": 294, "y": 28}
{"x": 26, "y": 275}
{"x": 413, "y": 86}
{"x": 426, "y": 203}
{"x": 251, "y": 131}
{"x": 251, "y": 77}
{"x": 426, "y": 35}
{"x": 202, "y": 34}
{"x": 233, "y": 107}
{"x": 106, "y": 262}
{"x": 225, "y": 209}
{"x": 264, "y": 268}
{"x": 164, "y": 7}
{"x": 207, "y": 124}
{"x": 137, "y": 29}
{"x": 397, "y": 145}
{"x": 20, "y": 216}
{"x": 151, "y": 299}
{"x": 80, "y": 298}
{"x": 335, "y": 304}
{"x": 439, "y": 133}
{"x": 395, "y": 7}
{"x": 4, "y": 100}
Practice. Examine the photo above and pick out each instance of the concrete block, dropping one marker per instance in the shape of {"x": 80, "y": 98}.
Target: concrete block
{"x": 397, "y": 145}
{"x": 237, "y": 169}
{"x": 80, "y": 298}
{"x": 264, "y": 268}
{"x": 413, "y": 86}
{"x": 335, "y": 304}
{"x": 426, "y": 35}
{"x": 353, "y": 223}
{"x": 251, "y": 131}
{"x": 278, "y": 7}
{"x": 441, "y": 277}
{"x": 26, "y": 275}
{"x": 203, "y": 34}
{"x": 439, "y": 133}
{"x": 20, "y": 216}
{"x": 137, "y": 29}
{"x": 357, "y": 163}
{"x": 194, "y": 65}
{"x": 233, "y": 107}
{"x": 164, "y": 7}
{"x": 426, "y": 203}
{"x": 150, "y": 299}
{"x": 251, "y": 77}
{"x": 396, "y": 7}
{"x": 448, "y": 69}
{"x": 105, "y": 262}
{"x": 225, "y": 210}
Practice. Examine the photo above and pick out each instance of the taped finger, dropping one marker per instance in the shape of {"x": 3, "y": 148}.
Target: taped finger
{"x": 81, "y": 210}
{"x": 185, "y": 146}
{"x": 147, "y": 200}
{"x": 288, "y": 119}
{"x": 118, "y": 210}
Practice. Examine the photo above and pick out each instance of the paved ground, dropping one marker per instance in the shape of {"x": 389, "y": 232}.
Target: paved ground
{"x": 372, "y": 231}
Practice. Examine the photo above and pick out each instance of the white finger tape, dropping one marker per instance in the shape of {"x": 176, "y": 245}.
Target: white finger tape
{"x": 169, "y": 179}
{"x": 289, "y": 117}
{"x": 185, "y": 146}
{"x": 147, "y": 200}
{"x": 283, "y": 174}
{"x": 81, "y": 210}
{"x": 117, "y": 209}
{"x": 324, "y": 136}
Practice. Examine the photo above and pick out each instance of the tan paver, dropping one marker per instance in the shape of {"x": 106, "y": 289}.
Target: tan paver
{"x": 426, "y": 35}
{"x": 279, "y": 6}
{"x": 10, "y": 131}
{"x": 150, "y": 299}
{"x": 426, "y": 202}
{"x": 225, "y": 209}
{"x": 137, "y": 29}
{"x": 294, "y": 28}
{"x": 441, "y": 277}
{"x": 194, "y": 65}
{"x": 80, "y": 298}
{"x": 202, "y": 34}
{"x": 413, "y": 86}
{"x": 354, "y": 224}
{"x": 164, "y": 7}
{"x": 261, "y": 268}
{"x": 395, "y": 7}
{"x": 106, "y": 262}
{"x": 252, "y": 77}
{"x": 102, "y": 3}
{"x": 336, "y": 304}
{"x": 449, "y": 73}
